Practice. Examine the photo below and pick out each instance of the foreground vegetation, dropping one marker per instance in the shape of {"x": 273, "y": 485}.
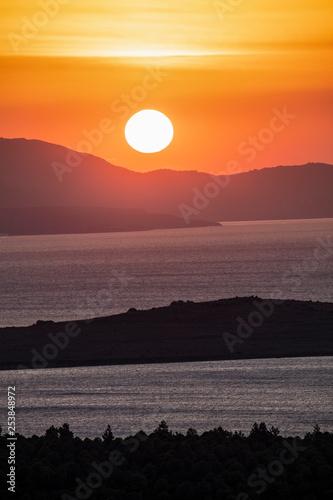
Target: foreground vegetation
{"x": 217, "y": 465}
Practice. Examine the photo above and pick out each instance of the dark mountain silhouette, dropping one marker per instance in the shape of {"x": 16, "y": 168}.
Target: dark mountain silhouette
{"x": 71, "y": 220}
{"x": 37, "y": 174}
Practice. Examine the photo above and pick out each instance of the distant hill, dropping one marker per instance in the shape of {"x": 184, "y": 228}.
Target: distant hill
{"x": 37, "y": 174}
{"x": 71, "y": 220}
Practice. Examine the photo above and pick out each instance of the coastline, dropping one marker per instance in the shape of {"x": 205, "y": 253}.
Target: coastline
{"x": 226, "y": 329}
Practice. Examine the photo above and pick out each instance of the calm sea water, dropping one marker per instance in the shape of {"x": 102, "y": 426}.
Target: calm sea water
{"x": 63, "y": 277}
{"x": 292, "y": 393}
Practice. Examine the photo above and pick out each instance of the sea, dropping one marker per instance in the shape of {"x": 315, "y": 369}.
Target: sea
{"x": 293, "y": 394}
{"x": 66, "y": 277}
{"x": 76, "y": 276}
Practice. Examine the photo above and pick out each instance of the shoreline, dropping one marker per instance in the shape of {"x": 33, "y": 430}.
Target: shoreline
{"x": 154, "y": 361}
{"x": 225, "y": 329}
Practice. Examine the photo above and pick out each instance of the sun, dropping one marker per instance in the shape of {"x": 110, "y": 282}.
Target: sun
{"x": 149, "y": 131}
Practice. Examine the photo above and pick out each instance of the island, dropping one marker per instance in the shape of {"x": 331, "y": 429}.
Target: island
{"x": 225, "y": 329}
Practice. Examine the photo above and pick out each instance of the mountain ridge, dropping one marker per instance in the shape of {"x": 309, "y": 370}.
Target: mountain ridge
{"x": 39, "y": 141}
{"x": 29, "y": 179}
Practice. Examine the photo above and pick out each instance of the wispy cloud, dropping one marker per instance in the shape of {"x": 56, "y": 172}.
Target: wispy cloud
{"x": 174, "y": 27}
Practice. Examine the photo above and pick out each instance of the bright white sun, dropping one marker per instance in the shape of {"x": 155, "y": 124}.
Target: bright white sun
{"x": 149, "y": 131}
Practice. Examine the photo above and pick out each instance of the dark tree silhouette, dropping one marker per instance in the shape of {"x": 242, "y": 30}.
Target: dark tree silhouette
{"x": 107, "y": 435}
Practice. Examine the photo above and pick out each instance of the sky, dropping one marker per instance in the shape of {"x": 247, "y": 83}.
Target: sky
{"x": 246, "y": 81}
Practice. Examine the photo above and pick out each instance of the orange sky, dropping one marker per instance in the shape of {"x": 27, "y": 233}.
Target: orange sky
{"x": 71, "y": 66}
